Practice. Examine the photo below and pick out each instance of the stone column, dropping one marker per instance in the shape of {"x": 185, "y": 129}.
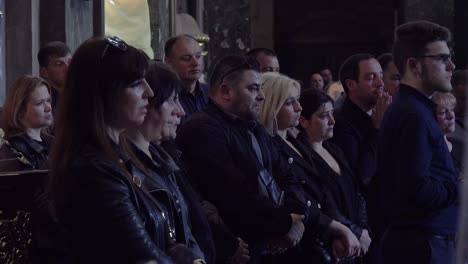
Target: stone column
{"x": 21, "y": 39}
{"x": 159, "y": 23}
{"x": 228, "y": 24}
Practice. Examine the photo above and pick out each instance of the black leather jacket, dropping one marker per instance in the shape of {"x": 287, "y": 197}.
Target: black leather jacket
{"x": 111, "y": 219}
{"x": 31, "y": 154}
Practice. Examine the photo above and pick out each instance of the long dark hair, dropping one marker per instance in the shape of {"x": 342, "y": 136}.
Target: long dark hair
{"x": 99, "y": 71}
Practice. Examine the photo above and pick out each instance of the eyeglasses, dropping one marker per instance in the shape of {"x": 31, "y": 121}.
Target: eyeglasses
{"x": 248, "y": 64}
{"x": 115, "y": 42}
{"x": 439, "y": 57}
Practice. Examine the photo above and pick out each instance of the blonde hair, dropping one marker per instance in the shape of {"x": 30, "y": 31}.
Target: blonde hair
{"x": 441, "y": 98}
{"x": 16, "y": 102}
{"x": 276, "y": 88}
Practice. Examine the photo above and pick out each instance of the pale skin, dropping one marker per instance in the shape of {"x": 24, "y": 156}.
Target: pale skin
{"x": 38, "y": 113}
{"x": 319, "y": 127}
{"x": 367, "y": 92}
{"x": 418, "y": 71}
{"x": 243, "y": 98}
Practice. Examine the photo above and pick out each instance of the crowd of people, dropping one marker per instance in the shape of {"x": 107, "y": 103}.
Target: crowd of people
{"x": 150, "y": 165}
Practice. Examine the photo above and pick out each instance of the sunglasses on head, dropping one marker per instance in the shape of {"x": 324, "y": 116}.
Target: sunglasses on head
{"x": 114, "y": 42}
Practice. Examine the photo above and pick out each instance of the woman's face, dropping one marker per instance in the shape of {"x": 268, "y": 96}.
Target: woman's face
{"x": 446, "y": 117}
{"x": 38, "y": 112}
{"x": 166, "y": 118}
{"x": 288, "y": 115}
{"x": 132, "y": 104}
{"x": 320, "y": 125}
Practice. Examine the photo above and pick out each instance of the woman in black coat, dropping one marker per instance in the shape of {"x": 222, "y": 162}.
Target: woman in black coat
{"x": 96, "y": 187}
{"x": 281, "y": 112}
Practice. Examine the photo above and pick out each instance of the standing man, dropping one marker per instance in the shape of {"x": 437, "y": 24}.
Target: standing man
{"x": 358, "y": 120}
{"x": 417, "y": 189}
{"x": 184, "y": 55}
{"x": 266, "y": 58}
{"x": 232, "y": 161}
{"x": 54, "y": 59}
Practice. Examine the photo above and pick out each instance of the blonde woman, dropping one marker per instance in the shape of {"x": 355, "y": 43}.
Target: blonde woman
{"x": 445, "y": 114}
{"x": 280, "y": 112}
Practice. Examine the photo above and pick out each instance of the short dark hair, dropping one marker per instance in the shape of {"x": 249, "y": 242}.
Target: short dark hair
{"x": 459, "y": 77}
{"x": 412, "y": 38}
{"x": 163, "y": 81}
{"x": 173, "y": 40}
{"x": 254, "y": 52}
{"x": 311, "y": 100}
{"x": 52, "y": 49}
{"x": 230, "y": 68}
{"x": 385, "y": 60}
{"x": 350, "y": 68}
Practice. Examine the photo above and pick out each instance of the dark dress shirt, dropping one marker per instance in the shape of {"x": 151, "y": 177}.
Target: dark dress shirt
{"x": 416, "y": 184}
{"x": 194, "y": 103}
{"x": 357, "y": 137}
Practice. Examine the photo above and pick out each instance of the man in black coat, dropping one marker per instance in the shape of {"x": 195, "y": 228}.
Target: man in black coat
{"x": 232, "y": 160}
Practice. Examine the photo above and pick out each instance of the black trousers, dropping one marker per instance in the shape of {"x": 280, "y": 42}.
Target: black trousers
{"x": 409, "y": 246}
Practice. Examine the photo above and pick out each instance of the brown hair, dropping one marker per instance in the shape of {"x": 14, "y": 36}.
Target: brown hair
{"x": 16, "y": 103}
{"x": 412, "y": 38}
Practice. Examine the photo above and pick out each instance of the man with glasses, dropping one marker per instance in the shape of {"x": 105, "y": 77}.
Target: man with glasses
{"x": 417, "y": 190}
{"x": 232, "y": 160}
{"x": 184, "y": 55}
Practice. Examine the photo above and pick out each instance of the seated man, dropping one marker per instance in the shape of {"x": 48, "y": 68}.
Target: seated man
{"x": 231, "y": 159}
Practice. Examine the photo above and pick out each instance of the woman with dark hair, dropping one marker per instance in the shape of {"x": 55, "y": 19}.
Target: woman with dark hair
{"x": 162, "y": 174}
{"x": 27, "y": 113}
{"x": 280, "y": 112}
{"x": 96, "y": 188}
{"x": 316, "y": 125}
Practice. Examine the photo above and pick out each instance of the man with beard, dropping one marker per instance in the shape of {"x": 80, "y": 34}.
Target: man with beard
{"x": 358, "y": 120}
{"x": 232, "y": 161}
{"x": 184, "y": 56}
{"x": 417, "y": 190}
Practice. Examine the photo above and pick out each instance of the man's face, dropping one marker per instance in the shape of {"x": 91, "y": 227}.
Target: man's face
{"x": 56, "y": 70}
{"x": 369, "y": 85}
{"x": 436, "y": 70}
{"x": 247, "y": 95}
{"x": 268, "y": 63}
{"x": 391, "y": 78}
{"x": 316, "y": 82}
{"x": 326, "y": 76}
{"x": 185, "y": 59}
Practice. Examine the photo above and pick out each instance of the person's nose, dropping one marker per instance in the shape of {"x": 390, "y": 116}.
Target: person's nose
{"x": 297, "y": 106}
{"x": 180, "y": 112}
{"x": 148, "y": 91}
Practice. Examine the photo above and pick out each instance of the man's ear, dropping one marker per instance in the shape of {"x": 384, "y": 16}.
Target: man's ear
{"x": 414, "y": 66}
{"x": 225, "y": 91}
{"x": 43, "y": 72}
{"x": 351, "y": 84}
